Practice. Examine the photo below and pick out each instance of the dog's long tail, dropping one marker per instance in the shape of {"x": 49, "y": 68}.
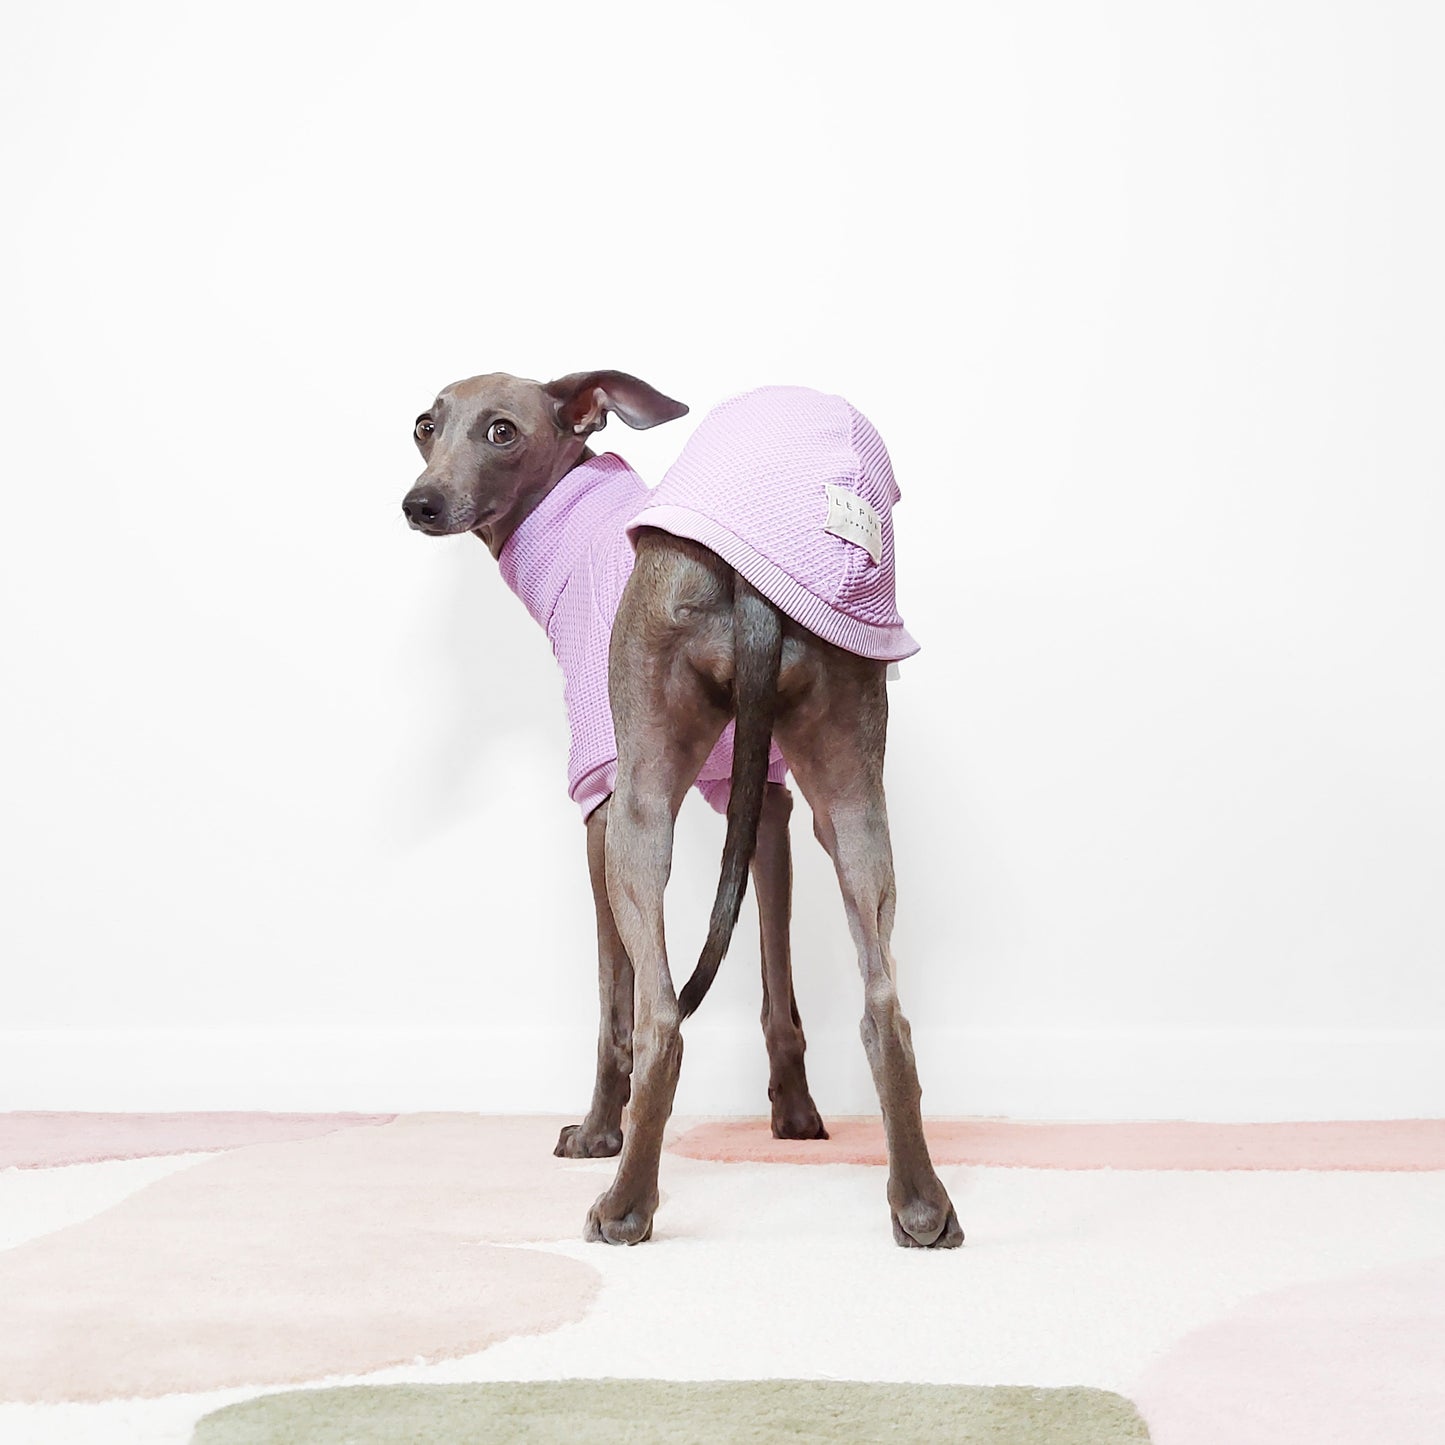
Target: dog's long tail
{"x": 757, "y": 658}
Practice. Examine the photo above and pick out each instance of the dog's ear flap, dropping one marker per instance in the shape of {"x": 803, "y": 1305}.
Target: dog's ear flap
{"x": 585, "y": 397}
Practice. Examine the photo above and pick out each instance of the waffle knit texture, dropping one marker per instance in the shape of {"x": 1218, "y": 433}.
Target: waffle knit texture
{"x": 750, "y": 486}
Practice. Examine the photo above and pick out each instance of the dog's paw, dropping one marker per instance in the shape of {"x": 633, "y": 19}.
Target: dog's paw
{"x": 577, "y": 1142}
{"x": 608, "y": 1225}
{"x": 927, "y": 1224}
{"x": 800, "y": 1121}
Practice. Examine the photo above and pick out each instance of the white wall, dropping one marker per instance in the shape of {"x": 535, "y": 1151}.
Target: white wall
{"x": 1147, "y": 301}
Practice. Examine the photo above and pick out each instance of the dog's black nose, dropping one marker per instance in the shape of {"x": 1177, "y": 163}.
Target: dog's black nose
{"x": 423, "y": 506}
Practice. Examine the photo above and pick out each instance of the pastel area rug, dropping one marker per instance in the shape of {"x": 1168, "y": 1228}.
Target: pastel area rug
{"x": 243, "y": 1278}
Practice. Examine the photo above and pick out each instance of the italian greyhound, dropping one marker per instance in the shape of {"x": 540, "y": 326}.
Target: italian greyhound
{"x": 695, "y": 645}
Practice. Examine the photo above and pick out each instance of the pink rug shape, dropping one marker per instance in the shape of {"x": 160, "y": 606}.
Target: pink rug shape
{"x": 41, "y": 1140}
{"x": 290, "y": 1262}
{"x": 1392, "y": 1144}
{"x": 1357, "y": 1361}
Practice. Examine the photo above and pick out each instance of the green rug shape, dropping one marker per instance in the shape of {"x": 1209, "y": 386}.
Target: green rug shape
{"x": 720, "y": 1412}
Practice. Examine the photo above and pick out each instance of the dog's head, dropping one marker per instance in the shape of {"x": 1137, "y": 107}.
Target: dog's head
{"x": 496, "y": 445}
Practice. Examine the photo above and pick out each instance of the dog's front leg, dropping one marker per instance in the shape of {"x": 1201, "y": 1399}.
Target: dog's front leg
{"x": 600, "y": 1133}
{"x": 795, "y": 1116}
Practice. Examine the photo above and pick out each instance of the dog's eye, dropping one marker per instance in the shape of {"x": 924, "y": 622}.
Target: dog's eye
{"x": 424, "y": 428}
{"x": 501, "y": 433}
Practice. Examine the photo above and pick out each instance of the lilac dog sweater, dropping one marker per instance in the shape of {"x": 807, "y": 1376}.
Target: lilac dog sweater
{"x": 760, "y": 481}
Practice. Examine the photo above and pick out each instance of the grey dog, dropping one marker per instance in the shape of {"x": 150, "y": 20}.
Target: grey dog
{"x": 694, "y": 645}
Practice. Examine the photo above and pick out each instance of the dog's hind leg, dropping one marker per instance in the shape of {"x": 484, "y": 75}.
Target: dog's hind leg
{"x": 832, "y": 728}
{"x": 795, "y": 1116}
{"x": 600, "y": 1133}
{"x": 671, "y": 643}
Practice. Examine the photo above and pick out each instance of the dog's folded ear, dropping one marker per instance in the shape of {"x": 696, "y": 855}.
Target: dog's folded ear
{"x": 585, "y": 397}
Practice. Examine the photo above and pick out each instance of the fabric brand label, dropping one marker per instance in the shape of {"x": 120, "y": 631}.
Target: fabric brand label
{"x": 852, "y": 519}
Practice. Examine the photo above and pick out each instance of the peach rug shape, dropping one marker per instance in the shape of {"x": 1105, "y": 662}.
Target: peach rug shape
{"x": 1389, "y": 1145}
{"x": 289, "y": 1262}
{"x": 36, "y": 1139}
{"x": 1355, "y": 1361}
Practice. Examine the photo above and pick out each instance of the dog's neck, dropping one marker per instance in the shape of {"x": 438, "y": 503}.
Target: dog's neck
{"x": 496, "y": 535}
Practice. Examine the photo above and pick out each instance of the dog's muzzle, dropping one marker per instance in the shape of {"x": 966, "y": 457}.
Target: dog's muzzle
{"x": 425, "y": 509}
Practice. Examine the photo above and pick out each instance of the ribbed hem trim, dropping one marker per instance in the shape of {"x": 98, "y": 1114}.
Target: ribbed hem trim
{"x": 887, "y": 644}
{"x": 594, "y": 789}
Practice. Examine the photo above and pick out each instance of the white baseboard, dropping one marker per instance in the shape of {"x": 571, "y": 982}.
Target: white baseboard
{"x": 1028, "y": 1074}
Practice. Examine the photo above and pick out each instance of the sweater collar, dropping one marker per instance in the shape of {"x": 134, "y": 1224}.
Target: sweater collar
{"x": 540, "y": 556}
